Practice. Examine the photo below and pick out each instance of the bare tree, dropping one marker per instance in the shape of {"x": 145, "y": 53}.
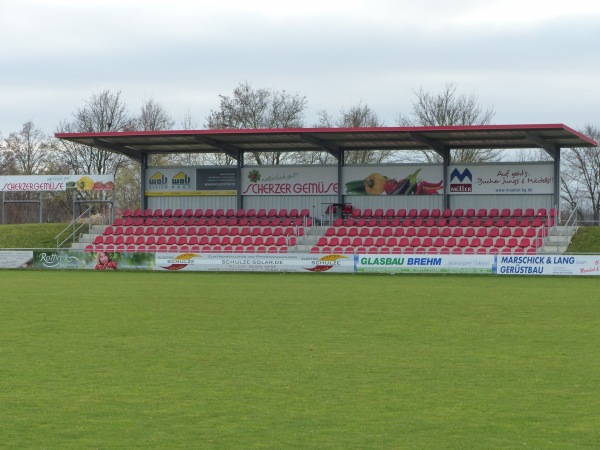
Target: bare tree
{"x": 448, "y": 108}
{"x": 358, "y": 116}
{"x": 154, "y": 117}
{"x": 101, "y": 113}
{"x": 188, "y": 123}
{"x": 30, "y": 149}
{"x": 259, "y": 108}
{"x": 580, "y": 177}
{"x": 7, "y": 161}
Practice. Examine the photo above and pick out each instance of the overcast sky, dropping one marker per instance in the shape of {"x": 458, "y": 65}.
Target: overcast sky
{"x": 532, "y": 61}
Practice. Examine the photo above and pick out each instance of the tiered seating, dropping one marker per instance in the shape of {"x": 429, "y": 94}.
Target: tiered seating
{"x": 227, "y": 231}
{"x": 437, "y": 232}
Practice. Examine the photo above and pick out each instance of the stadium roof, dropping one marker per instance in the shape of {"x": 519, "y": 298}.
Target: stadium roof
{"x": 138, "y": 144}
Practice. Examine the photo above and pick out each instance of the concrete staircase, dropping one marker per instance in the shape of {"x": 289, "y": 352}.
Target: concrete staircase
{"x": 558, "y": 240}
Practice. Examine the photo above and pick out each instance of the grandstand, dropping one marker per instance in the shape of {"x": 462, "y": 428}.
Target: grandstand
{"x": 324, "y": 209}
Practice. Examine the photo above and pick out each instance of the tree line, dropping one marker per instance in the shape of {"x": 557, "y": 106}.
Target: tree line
{"x": 30, "y": 150}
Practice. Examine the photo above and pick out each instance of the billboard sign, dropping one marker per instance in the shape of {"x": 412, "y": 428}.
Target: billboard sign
{"x": 501, "y": 179}
{"x": 49, "y": 183}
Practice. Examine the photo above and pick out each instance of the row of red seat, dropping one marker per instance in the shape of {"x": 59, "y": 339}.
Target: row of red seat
{"x": 443, "y": 222}
{"x": 186, "y": 248}
{"x": 212, "y": 221}
{"x": 416, "y": 241}
{"x": 435, "y": 232}
{"x": 424, "y": 250}
{"x": 447, "y": 213}
{"x": 195, "y": 240}
{"x": 219, "y": 212}
{"x": 200, "y": 231}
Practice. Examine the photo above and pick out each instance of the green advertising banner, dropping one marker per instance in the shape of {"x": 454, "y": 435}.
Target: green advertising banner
{"x": 61, "y": 259}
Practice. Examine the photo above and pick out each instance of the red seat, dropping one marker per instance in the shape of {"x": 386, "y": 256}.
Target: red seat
{"x": 457, "y": 232}
{"x": 458, "y": 212}
{"x": 412, "y": 213}
{"x": 439, "y": 242}
{"x": 401, "y": 213}
{"x": 469, "y": 232}
{"x": 463, "y": 242}
{"x": 481, "y": 213}
{"x": 392, "y": 242}
{"x": 470, "y": 212}
{"x": 475, "y": 242}
{"x": 447, "y": 213}
{"x": 399, "y": 232}
{"x": 434, "y": 232}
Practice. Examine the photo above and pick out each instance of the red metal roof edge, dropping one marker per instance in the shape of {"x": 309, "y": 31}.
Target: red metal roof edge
{"x": 520, "y": 127}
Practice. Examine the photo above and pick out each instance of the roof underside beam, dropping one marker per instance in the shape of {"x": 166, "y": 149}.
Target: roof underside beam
{"x": 100, "y": 143}
{"x": 230, "y": 150}
{"x": 551, "y": 149}
{"x": 440, "y": 149}
{"x": 330, "y": 148}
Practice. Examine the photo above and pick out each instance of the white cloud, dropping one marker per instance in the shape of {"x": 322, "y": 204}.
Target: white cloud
{"x": 530, "y": 60}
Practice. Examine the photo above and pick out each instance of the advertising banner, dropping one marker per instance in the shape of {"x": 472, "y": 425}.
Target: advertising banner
{"x": 190, "y": 181}
{"x": 216, "y": 179}
{"x": 501, "y": 179}
{"x": 393, "y": 180}
{"x": 47, "y": 183}
{"x": 62, "y": 259}
{"x": 319, "y": 180}
{"x": 548, "y": 265}
{"x": 475, "y": 264}
{"x": 219, "y": 262}
{"x": 16, "y": 259}
{"x": 358, "y": 180}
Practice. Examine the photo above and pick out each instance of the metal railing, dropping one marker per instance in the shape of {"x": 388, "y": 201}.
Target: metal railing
{"x": 85, "y": 218}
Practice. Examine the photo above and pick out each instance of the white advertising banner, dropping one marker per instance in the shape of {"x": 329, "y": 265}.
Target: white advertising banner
{"x": 15, "y": 259}
{"x": 425, "y": 263}
{"x": 47, "y": 183}
{"x": 358, "y": 180}
{"x": 191, "y": 181}
{"x": 548, "y": 265}
{"x": 319, "y": 180}
{"x": 221, "y": 262}
{"x": 501, "y": 179}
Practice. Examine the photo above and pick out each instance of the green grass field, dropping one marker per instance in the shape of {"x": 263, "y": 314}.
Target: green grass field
{"x": 239, "y": 361}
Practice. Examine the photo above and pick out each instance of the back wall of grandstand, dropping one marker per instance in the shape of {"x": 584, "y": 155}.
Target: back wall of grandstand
{"x": 502, "y": 185}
